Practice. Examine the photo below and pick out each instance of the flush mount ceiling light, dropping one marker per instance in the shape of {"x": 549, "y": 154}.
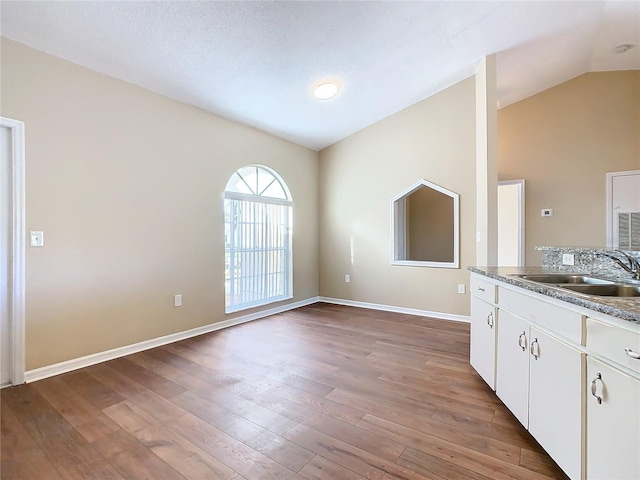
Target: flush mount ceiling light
{"x": 325, "y": 90}
{"x": 623, "y": 48}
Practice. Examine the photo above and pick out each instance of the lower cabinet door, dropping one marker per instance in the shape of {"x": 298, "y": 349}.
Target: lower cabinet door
{"x": 512, "y": 371}
{"x": 613, "y": 423}
{"x": 483, "y": 339}
{"x": 555, "y": 396}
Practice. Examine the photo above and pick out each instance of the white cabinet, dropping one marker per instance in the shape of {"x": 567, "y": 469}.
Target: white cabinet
{"x": 569, "y": 374}
{"x": 539, "y": 378}
{"x": 613, "y": 423}
{"x": 483, "y": 339}
{"x": 512, "y": 369}
{"x": 555, "y": 393}
{"x": 613, "y": 401}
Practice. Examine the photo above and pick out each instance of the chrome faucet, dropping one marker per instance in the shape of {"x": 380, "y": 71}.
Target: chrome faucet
{"x": 633, "y": 268}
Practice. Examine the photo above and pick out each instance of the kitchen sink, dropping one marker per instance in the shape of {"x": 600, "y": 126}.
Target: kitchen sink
{"x": 612, "y": 290}
{"x": 584, "y": 284}
{"x": 563, "y": 278}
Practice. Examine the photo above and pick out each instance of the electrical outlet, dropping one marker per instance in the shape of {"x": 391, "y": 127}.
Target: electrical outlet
{"x": 177, "y": 300}
{"x": 546, "y": 212}
{"x": 347, "y": 278}
{"x": 568, "y": 259}
{"x": 462, "y": 289}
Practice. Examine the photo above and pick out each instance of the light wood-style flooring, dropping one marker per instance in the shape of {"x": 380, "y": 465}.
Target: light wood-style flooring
{"x": 321, "y": 392}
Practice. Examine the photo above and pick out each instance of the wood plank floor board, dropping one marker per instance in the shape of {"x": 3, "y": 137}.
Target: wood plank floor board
{"x": 234, "y": 425}
{"x": 155, "y": 366}
{"x": 89, "y": 421}
{"x": 348, "y": 456}
{"x": 319, "y": 468}
{"x": 320, "y": 392}
{"x": 242, "y": 407}
{"x": 187, "y": 459}
{"x": 513, "y": 433}
{"x": 437, "y": 468}
{"x": 91, "y": 389}
{"x": 33, "y": 464}
{"x": 233, "y": 453}
{"x": 145, "y": 377}
{"x": 133, "y": 460}
{"x": 431, "y": 432}
{"x": 154, "y": 404}
{"x": 14, "y": 438}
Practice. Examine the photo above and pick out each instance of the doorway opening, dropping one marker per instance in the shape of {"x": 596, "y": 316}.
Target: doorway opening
{"x": 623, "y": 210}
{"x": 511, "y": 223}
{"x": 12, "y": 251}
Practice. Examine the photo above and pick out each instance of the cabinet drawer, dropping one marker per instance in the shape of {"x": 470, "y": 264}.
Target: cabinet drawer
{"x": 483, "y": 289}
{"x": 610, "y": 341}
{"x": 566, "y": 323}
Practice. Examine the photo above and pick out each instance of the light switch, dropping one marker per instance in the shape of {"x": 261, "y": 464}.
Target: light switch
{"x": 37, "y": 239}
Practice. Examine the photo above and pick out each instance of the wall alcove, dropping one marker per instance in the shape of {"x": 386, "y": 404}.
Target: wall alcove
{"x": 425, "y": 227}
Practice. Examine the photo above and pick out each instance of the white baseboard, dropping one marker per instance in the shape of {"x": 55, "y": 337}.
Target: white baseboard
{"x": 391, "y": 308}
{"x": 86, "y": 361}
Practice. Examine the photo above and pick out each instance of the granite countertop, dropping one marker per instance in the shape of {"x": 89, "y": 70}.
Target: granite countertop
{"x": 627, "y": 308}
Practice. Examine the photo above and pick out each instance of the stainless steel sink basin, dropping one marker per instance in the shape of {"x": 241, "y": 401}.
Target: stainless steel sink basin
{"x": 563, "y": 278}
{"x": 612, "y": 290}
{"x": 584, "y": 284}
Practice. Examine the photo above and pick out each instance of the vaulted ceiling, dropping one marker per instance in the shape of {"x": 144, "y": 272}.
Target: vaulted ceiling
{"x": 256, "y": 62}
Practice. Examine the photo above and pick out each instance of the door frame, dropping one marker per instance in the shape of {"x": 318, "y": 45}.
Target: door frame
{"x": 17, "y": 250}
{"x": 521, "y": 219}
{"x": 609, "y": 200}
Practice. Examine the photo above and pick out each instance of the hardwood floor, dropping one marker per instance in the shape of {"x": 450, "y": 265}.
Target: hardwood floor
{"x": 321, "y": 392}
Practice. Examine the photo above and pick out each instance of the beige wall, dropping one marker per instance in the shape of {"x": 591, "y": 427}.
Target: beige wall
{"x": 127, "y": 186}
{"x": 432, "y": 140}
{"x": 562, "y": 142}
{"x": 430, "y": 226}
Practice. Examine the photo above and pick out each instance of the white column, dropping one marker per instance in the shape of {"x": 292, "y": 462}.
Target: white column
{"x": 486, "y": 163}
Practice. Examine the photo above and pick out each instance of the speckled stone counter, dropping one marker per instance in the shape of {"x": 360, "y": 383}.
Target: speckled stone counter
{"x": 587, "y": 260}
{"x": 627, "y": 308}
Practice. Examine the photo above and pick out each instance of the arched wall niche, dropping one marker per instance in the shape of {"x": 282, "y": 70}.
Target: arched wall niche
{"x": 425, "y": 226}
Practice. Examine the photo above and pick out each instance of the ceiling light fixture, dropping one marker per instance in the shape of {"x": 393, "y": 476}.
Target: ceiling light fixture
{"x": 623, "y": 48}
{"x": 325, "y": 90}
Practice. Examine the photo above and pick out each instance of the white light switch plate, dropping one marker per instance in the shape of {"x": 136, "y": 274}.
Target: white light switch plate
{"x": 37, "y": 239}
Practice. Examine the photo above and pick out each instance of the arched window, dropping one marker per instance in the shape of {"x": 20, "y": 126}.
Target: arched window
{"x": 258, "y": 233}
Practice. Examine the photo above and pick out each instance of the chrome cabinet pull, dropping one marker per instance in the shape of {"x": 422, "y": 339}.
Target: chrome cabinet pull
{"x": 631, "y": 353}
{"x": 481, "y": 289}
{"x": 594, "y": 388}
{"x": 535, "y": 351}
{"x": 490, "y": 320}
{"x": 522, "y": 341}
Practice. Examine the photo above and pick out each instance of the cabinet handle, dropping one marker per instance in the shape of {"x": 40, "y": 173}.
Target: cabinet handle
{"x": 522, "y": 341}
{"x": 481, "y": 289}
{"x": 535, "y": 351}
{"x": 490, "y": 320}
{"x": 631, "y": 353}
{"x": 594, "y": 388}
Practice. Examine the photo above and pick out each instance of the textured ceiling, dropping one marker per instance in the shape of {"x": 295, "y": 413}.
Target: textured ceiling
{"x": 255, "y": 62}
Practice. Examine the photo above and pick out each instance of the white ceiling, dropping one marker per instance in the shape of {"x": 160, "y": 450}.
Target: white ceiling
{"x": 255, "y": 62}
